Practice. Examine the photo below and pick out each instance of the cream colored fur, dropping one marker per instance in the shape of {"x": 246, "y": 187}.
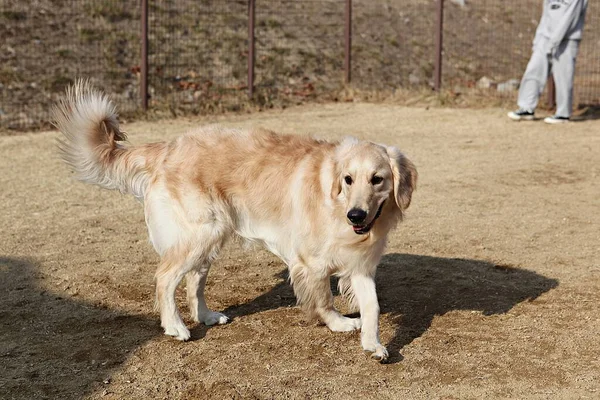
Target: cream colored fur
{"x": 290, "y": 193}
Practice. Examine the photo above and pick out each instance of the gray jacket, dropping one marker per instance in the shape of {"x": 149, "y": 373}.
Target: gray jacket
{"x": 561, "y": 20}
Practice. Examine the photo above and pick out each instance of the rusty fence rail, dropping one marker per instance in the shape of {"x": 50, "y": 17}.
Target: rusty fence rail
{"x": 190, "y": 56}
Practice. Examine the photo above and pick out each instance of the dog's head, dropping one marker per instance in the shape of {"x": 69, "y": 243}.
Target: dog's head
{"x": 367, "y": 177}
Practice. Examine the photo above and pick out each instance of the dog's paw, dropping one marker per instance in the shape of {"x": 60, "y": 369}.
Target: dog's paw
{"x": 215, "y": 318}
{"x": 344, "y": 324}
{"x": 378, "y": 352}
{"x": 178, "y": 331}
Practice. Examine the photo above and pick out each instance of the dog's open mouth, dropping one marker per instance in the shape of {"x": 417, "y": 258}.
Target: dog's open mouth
{"x": 362, "y": 229}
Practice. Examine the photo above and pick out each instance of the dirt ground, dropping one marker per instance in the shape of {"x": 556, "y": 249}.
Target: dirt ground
{"x": 489, "y": 289}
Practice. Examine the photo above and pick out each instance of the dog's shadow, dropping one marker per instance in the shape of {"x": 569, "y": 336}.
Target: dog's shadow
{"x": 47, "y": 338}
{"x": 413, "y": 289}
{"x": 55, "y": 346}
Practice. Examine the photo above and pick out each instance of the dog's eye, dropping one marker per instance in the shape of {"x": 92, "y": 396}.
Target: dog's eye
{"x": 348, "y": 180}
{"x": 376, "y": 180}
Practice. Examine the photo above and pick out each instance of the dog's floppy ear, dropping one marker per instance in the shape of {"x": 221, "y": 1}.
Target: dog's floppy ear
{"x": 405, "y": 177}
{"x": 336, "y": 183}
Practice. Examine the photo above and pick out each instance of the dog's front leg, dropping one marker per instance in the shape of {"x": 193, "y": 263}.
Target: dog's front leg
{"x": 363, "y": 287}
{"x": 313, "y": 290}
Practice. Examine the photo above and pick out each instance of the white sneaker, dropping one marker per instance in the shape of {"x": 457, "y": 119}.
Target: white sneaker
{"x": 555, "y": 119}
{"x": 521, "y": 115}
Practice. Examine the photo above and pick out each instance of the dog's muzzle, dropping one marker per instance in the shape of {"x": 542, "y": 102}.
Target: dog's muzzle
{"x": 363, "y": 229}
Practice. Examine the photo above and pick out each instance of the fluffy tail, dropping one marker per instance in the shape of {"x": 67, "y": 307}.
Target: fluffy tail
{"x": 88, "y": 121}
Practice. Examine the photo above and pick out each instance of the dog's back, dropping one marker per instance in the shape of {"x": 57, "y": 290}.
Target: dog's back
{"x": 244, "y": 165}
{"x": 256, "y": 183}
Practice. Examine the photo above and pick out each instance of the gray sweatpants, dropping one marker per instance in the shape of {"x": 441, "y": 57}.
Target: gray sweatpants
{"x": 562, "y": 64}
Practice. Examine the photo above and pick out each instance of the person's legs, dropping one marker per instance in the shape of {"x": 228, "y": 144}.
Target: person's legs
{"x": 563, "y": 70}
{"x": 534, "y": 79}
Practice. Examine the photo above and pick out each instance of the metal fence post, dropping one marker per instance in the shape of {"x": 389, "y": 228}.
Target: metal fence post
{"x": 251, "y": 53}
{"x": 439, "y": 30}
{"x": 551, "y": 99}
{"x": 348, "y": 41}
{"x": 144, "y": 57}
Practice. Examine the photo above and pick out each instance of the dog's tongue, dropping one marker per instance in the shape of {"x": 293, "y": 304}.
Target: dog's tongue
{"x": 357, "y": 228}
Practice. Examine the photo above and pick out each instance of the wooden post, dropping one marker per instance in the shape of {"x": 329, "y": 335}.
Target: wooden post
{"x": 348, "y": 41}
{"x": 251, "y": 53}
{"x": 439, "y": 31}
{"x": 144, "y": 57}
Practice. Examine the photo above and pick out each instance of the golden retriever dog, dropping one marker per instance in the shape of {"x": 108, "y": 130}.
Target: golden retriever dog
{"x": 325, "y": 208}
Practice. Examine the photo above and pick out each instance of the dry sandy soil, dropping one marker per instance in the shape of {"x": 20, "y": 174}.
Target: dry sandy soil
{"x": 489, "y": 289}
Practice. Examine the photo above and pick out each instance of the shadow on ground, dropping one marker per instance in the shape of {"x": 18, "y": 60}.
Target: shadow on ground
{"x": 413, "y": 289}
{"x": 586, "y": 112}
{"x": 55, "y": 347}
{"x": 281, "y": 295}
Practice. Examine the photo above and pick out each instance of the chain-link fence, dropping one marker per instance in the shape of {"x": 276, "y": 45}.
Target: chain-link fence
{"x": 487, "y": 44}
{"x": 45, "y": 45}
{"x": 197, "y": 54}
{"x": 198, "y": 59}
{"x": 299, "y": 49}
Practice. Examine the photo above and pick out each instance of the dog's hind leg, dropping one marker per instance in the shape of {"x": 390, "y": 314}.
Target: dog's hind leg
{"x": 196, "y": 280}
{"x": 176, "y": 262}
{"x": 185, "y": 259}
{"x": 313, "y": 291}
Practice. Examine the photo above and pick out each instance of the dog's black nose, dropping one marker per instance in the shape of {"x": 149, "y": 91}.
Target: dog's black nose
{"x": 356, "y": 215}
